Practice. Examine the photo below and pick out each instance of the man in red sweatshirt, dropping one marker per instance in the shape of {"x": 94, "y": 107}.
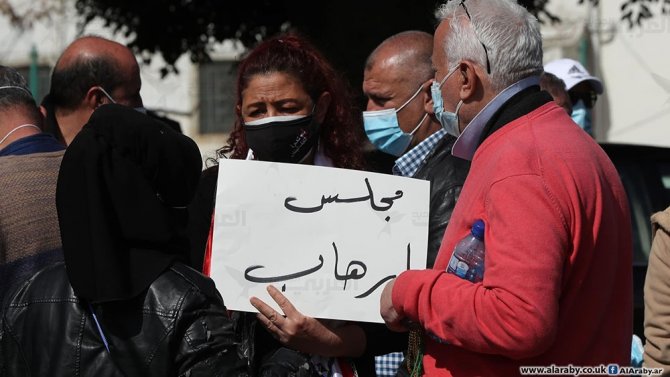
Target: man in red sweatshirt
{"x": 557, "y": 287}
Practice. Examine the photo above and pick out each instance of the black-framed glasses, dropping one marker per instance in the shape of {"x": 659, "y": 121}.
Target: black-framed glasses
{"x": 486, "y": 51}
{"x": 589, "y": 98}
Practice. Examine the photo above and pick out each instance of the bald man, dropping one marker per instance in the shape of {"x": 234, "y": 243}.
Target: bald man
{"x": 397, "y": 76}
{"x": 92, "y": 71}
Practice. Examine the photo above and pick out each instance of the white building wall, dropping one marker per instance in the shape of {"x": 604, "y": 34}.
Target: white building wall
{"x": 175, "y": 96}
{"x": 636, "y": 68}
{"x": 633, "y": 64}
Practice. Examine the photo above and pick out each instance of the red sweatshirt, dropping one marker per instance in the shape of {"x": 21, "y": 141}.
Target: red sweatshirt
{"x": 557, "y": 285}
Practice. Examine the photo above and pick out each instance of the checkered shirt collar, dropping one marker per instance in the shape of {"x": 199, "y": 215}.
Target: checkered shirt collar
{"x": 409, "y": 163}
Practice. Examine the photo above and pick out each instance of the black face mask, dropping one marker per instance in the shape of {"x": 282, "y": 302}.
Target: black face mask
{"x": 283, "y": 141}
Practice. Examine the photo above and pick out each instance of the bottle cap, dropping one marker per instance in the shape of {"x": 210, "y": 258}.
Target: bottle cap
{"x": 478, "y": 229}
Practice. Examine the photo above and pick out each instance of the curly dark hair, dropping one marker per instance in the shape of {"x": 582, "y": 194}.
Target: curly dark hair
{"x": 341, "y": 131}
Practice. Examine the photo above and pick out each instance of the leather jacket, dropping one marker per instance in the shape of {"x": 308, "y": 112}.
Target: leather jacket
{"x": 446, "y": 174}
{"x": 177, "y": 327}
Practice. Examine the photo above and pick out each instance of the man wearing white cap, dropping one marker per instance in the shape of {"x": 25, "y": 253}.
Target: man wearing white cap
{"x": 581, "y": 86}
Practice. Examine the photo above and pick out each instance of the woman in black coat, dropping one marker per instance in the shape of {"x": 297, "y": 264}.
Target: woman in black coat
{"x": 123, "y": 303}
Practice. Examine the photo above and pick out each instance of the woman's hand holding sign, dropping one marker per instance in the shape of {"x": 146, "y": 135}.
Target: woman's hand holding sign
{"x": 307, "y": 334}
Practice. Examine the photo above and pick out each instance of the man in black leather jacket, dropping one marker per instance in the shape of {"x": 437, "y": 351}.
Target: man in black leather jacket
{"x": 123, "y": 303}
{"x": 397, "y": 76}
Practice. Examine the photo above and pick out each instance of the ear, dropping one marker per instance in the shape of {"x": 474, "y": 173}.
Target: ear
{"x": 94, "y": 98}
{"x": 468, "y": 79}
{"x": 322, "y": 105}
{"x": 427, "y": 97}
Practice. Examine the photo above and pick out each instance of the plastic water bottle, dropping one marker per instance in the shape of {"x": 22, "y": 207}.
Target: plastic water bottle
{"x": 467, "y": 260}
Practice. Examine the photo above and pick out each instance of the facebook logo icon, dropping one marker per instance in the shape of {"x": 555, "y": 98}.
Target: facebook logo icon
{"x": 612, "y": 369}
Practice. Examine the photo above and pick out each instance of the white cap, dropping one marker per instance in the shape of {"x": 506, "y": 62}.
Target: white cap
{"x": 572, "y": 73}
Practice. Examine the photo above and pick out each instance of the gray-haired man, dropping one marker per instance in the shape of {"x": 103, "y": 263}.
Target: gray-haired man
{"x": 558, "y": 249}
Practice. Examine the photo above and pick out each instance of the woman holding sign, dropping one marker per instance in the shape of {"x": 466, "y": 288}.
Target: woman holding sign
{"x": 291, "y": 107}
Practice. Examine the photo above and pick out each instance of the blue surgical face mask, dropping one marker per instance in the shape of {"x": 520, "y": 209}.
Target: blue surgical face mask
{"x": 582, "y": 116}
{"x": 384, "y": 131}
{"x": 447, "y": 119}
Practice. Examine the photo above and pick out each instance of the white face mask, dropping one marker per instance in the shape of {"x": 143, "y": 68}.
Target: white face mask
{"x": 21, "y": 126}
{"x": 140, "y": 109}
{"x": 109, "y": 97}
{"x": 16, "y": 87}
{"x": 448, "y": 120}
{"x": 16, "y": 129}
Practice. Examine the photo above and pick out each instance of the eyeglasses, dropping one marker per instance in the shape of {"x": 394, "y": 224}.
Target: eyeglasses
{"x": 486, "y": 51}
{"x": 589, "y": 98}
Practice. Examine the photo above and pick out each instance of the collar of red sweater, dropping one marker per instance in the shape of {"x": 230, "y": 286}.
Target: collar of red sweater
{"x": 468, "y": 140}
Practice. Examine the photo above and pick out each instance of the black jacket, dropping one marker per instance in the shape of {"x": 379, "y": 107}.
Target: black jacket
{"x": 446, "y": 174}
{"x": 177, "y": 327}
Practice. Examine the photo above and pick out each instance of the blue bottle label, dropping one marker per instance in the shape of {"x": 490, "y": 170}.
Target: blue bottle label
{"x": 462, "y": 269}
{"x": 452, "y": 264}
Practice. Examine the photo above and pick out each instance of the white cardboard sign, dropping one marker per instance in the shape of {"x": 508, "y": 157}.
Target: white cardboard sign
{"x": 328, "y": 238}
